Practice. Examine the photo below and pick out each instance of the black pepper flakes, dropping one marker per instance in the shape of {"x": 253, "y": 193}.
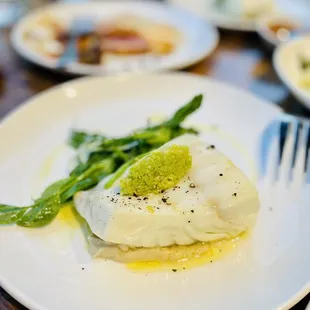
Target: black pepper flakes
{"x": 189, "y": 221}
{"x": 192, "y": 211}
{"x": 192, "y": 185}
{"x": 210, "y": 147}
{"x": 164, "y": 200}
{"x": 234, "y": 194}
{"x": 83, "y": 268}
{"x": 221, "y": 174}
{"x": 129, "y": 197}
{"x": 174, "y": 270}
{"x": 162, "y": 191}
{"x": 186, "y": 192}
{"x": 145, "y": 198}
{"x": 135, "y": 195}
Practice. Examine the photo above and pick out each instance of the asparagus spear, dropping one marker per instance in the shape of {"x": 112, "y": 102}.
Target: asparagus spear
{"x": 106, "y": 156}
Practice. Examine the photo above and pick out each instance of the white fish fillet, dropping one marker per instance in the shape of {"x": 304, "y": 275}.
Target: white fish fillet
{"x": 214, "y": 201}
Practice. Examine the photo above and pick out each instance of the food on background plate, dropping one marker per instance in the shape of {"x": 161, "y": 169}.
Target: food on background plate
{"x": 282, "y": 28}
{"x": 47, "y": 36}
{"x": 305, "y": 70}
{"x": 123, "y": 35}
{"x": 129, "y": 34}
{"x": 292, "y": 62}
{"x": 160, "y": 193}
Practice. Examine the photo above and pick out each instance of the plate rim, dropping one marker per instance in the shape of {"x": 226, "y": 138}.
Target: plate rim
{"x": 129, "y": 76}
{"x": 26, "y": 53}
{"x": 7, "y": 285}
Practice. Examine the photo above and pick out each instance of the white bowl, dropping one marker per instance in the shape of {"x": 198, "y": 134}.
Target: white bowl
{"x": 266, "y": 33}
{"x": 285, "y": 62}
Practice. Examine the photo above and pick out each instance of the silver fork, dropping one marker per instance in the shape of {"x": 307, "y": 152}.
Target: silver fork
{"x": 287, "y": 157}
{"x": 282, "y": 185}
{"x": 80, "y": 25}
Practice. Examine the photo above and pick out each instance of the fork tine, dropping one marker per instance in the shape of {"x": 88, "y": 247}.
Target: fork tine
{"x": 269, "y": 157}
{"x": 269, "y": 149}
{"x": 300, "y": 159}
{"x": 272, "y": 162}
{"x": 288, "y": 153}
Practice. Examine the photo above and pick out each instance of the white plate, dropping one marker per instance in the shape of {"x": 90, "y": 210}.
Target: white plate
{"x": 285, "y": 62}
{"x": 198, "y": 38}
{"x": 232, "y": 18}
{"x": 208, "y": 11}
{"x": 268, "y": 36}
{"x": 43, "y": 267}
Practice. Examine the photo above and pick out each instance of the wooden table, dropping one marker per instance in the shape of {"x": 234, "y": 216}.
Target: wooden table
{"x": 240, "y": 59}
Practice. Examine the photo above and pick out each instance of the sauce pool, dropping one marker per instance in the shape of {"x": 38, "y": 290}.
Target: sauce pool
{"x": 217, "y": 250}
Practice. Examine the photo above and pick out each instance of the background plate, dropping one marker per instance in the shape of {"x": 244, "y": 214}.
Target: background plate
{"x": 198, "y": 38}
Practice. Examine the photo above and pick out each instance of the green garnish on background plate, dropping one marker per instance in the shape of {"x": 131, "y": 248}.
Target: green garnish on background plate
{"x": 304, "y": 63}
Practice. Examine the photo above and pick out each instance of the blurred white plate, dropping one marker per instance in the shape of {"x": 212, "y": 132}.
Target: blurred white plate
{"x": 298, "y": 26}
{"x": 286, "y": 61}
{"x": 229, "y": 14}
{"x": 198, "y": 38}
{"x": 42, "y": 268}
{"x": 224, "y": 18}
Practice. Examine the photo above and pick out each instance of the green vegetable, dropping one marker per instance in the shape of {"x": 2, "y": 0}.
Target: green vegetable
{"x": 182, "y": 113}
{"x": 41, "y": 214}
{"x": 11, "y": 214}
{"x": 78, "y": 138}
{"x": 54, "y": 187}
{"x": 104, "y": 157}
{"x": 150, "y": 137}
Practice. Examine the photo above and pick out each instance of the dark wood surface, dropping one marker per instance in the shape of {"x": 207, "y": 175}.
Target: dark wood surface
{"x": 240, "y": 59}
